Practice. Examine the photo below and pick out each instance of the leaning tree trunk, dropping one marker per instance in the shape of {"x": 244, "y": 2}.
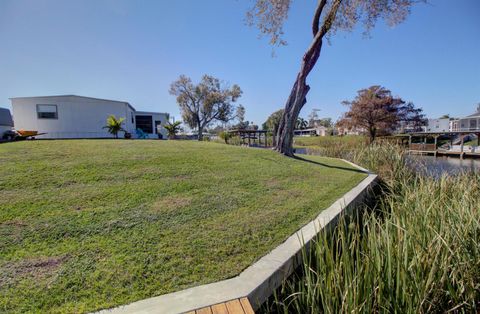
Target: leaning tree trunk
{"x": 286, "y": 128}
{"x": 298, "y": 94}
{"x": 274, "y": 137}
{"x": 373, "y": 134}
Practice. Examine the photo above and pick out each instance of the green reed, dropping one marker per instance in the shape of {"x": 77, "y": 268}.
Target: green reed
{"x": 416, "y": 250}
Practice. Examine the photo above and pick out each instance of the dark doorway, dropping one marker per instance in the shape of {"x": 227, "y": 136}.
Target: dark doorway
{"x": 144, "y": 123}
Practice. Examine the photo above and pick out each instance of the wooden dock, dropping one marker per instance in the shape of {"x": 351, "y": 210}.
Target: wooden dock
{"x": 443, "y": 152}
{"x": 424, "y": 148}
{"x": 237, "y": 306}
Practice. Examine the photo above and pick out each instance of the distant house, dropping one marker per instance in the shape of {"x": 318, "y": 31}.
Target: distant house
{"x": 71, "y": 116}
{"x": 317, "y": 130}
{"x": 471, "y": 122}
{"x": 404, "y": 127}
{"x": 340, "y": 130}
{"x": 438, "y": 125}
{"x": 453, "y": 125}
{"x": 6, "y": 122}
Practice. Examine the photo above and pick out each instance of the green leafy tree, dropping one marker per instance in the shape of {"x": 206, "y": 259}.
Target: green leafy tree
{"x": 240, "y": 114}
{"x": 272, "y": 123}
{"x": 329, "y": 17}
{"x": 172, "y": 128}
{"x": 114, "y": 125}
{"x": 301, "y": 124}
{"x": 205, "y": 102}
{"x": 225, "y": 135}
{"x": 326, "y": 122}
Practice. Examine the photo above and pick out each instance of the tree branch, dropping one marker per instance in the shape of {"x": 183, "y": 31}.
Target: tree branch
{"x": 316, "y": 18}
{"x": 313, "y": 51}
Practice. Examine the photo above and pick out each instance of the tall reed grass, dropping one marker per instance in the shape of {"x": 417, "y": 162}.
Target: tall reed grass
{"x": 417, "y": 250}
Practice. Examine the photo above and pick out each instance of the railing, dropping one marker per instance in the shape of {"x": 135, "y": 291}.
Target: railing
{"x": 473, "y": 130}
{"x": 423, "y": 147}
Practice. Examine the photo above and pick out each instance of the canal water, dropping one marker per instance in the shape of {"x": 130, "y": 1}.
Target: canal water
{"x": 432, "y": 166}
{"x": 436, "y": 167}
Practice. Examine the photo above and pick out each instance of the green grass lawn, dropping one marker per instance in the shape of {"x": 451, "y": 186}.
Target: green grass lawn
{"x": 90, "y": 224}
{"x": 473, "y": 142}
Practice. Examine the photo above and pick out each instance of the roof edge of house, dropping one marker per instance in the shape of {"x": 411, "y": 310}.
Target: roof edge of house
{"x": 94, "y": 98}
{"x": 151, "y": 112}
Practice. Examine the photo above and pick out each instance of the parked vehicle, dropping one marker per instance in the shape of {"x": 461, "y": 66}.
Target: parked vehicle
{"x": 6, "y": 123}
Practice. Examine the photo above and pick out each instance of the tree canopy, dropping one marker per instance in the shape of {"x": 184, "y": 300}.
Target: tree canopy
{"x": 329, "y": 17}
{"x": 208, "y": 101}
{"x": 301, "y": 123}
{"x": 374, "y": 109}
{"x": 240, "y": 114}
{"x": 272, "y": 123}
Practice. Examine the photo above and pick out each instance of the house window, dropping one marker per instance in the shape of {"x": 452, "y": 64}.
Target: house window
{"x": 47, "y": 112}
{"x": 473, "y": 124}
{"x": 144, "y": 123}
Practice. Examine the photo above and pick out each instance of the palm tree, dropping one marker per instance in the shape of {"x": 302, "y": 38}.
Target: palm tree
{"x": 172, "y": 129}
{"x": 114, "y": 125}
{"x": 301, "y": 124}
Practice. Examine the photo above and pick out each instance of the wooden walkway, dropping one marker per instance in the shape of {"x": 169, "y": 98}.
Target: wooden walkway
{"x": 237, "y": 306}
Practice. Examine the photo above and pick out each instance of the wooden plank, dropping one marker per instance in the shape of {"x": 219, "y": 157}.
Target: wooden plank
{"x": 219, "y": 309}
{"x": 234, "y": 307}
{"x": 191, "y": 312}
{"x": 247, "y": 307}
{"x": 205, "y": 310}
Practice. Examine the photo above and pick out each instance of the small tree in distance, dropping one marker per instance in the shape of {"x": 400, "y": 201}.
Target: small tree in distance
{"x": 272, "y": 123}
{"x": 301, "y": 124}
{"x": 240, "y": 114}
{"x": 114, "y": 125}
{"x": 208, "y": 101}
{"x": 172, "y": 129}
{"x": 375, "y": 109}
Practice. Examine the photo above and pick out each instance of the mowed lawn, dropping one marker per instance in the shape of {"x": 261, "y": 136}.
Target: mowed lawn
{"x": 91, "y": 224}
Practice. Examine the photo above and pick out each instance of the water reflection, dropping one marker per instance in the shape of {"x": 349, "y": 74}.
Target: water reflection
{"x": 431, "y": 166}
{"x": 428, "y": 165}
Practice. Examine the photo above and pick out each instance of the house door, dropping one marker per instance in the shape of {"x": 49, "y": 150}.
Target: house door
{"x": 158, "y": 126}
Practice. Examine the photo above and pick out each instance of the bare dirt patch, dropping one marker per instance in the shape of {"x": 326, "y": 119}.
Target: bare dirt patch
{"x": 37, "y": 269}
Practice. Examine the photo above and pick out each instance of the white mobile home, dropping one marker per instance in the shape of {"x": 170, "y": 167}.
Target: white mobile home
{"x": 71, "y": 116}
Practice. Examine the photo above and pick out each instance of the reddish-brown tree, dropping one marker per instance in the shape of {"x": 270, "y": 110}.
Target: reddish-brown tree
{"x": 329, "y": 16}
{"x": 376, "y": 110}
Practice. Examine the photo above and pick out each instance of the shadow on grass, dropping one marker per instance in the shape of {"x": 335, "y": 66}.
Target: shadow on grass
{"x": 329, "y": 166}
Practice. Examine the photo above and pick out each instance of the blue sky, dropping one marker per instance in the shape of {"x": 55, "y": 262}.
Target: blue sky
{"x": 133, "y": 50}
